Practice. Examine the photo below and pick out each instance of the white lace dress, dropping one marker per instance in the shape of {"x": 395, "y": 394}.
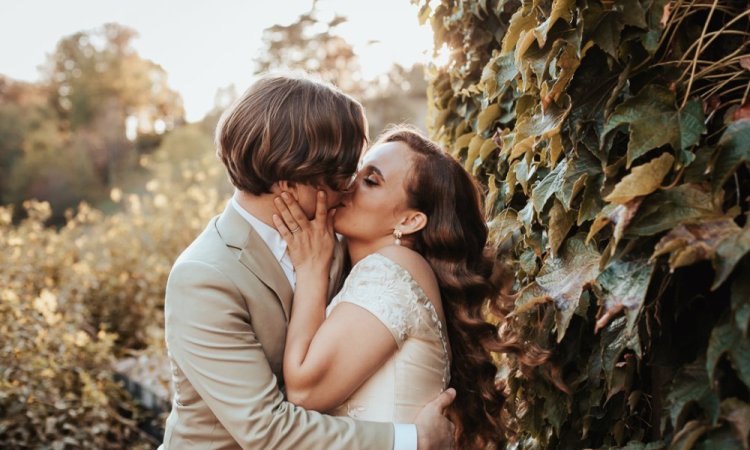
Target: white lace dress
{"x": 420, "y": 369}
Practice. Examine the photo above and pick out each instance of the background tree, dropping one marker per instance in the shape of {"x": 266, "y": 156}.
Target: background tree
{"x": 614, "y": 142}
{"x": 23, "y": 108}
{"x": 311, "y": 45}
{"x": 99, "y": 84}
{"x": 83, "y": 129}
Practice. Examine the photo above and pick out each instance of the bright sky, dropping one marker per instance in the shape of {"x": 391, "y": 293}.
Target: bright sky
{"x": 206, "y": 45}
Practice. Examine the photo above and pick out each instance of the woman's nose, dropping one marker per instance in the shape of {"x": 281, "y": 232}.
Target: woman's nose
{"x": 347, "y": 195}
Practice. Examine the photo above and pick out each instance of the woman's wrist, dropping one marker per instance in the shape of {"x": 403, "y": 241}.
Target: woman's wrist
{"x": 310, "y": 281}
{"x": 313, "y": 272}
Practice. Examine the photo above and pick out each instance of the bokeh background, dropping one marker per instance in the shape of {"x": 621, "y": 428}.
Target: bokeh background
{"x": 107, "y": 171}
{"x": 612, "y": 138}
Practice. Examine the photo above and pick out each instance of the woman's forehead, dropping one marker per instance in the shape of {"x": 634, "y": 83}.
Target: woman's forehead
{"x": 387, "y": 156}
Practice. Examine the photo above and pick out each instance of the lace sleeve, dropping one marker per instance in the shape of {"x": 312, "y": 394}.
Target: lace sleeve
{"x": 380, "y": 286}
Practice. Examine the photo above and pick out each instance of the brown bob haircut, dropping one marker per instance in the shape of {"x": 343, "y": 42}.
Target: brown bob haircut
{"x": 293, "y": 128}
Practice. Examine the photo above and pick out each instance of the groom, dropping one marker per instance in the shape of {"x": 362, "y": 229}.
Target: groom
{"x": 229, "y": 294}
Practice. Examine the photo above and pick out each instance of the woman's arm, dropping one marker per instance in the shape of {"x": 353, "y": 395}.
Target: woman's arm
{"x": 344, "y": 351}
{"x": 325, "y": 360}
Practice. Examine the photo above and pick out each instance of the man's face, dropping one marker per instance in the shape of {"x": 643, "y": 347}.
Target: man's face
{"x": 305, "y": 196}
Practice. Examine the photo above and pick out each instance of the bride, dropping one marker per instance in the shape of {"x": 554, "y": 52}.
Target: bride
{"x": 407, "y": 323}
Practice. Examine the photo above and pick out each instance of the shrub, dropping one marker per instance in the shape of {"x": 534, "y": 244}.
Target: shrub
{"x": 74, "y": 299}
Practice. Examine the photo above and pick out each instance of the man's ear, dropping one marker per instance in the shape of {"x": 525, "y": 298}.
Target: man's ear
{"x": 288, "y": 186}
{"x": 413, "y": 222}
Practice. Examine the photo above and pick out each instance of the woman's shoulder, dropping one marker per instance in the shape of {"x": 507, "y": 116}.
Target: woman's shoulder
{"x": 416, "y": 265}
{"x": 407, "y": 258}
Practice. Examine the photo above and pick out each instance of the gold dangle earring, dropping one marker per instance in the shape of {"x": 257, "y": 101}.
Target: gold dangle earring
{"x": 397, "y": 236}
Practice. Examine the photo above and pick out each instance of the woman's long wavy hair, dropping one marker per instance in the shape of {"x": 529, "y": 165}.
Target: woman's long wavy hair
{"x": 454, "y": 242}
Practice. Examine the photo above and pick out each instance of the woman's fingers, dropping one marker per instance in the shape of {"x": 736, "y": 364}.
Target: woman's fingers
{"x": 296, "y": 211}
{"x": 286, "y": 215}
{"x": 321, "y": 207}
{"x": 282, "y": 229}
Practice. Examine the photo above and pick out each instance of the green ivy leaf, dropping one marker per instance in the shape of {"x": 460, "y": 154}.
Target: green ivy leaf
{"x": 686, "y": 438}
{"x": 691, "y": 385}
{"x": 591, "y": 203}
{"x": 727, "y": 339}
{"x": 740, "y": 294}
{"x": 729, "y": 253}
{"x": 607, "y": 32}
{"x": 523, "y": 173}
{"x": 737, "y": 414}
{"x": 635, "y": 445}
{"x": 506, "y": 70}
{"x": 497, "y": 74}
{"x": 654, "y": 120}
{"x": 622, "y": 287}
{"x": 615, "y": 340}
{"x": 577, "y": 174}
{"x": 720, "y": 438}
{"x": 692, "y": 126}
{"x": 562, "y": 279}
{"x": 526, "y": 215}
{"x": 734, "y": 150}
{"x": 633, "y": 13}
{"x": 551, "y": 184}
{"x": 560, "y": 223}
{"x": 666, "y": 209}
{"x": 502, "y": 226}
{"x": 527, "y": 261}
{"x": 541, "y": 124}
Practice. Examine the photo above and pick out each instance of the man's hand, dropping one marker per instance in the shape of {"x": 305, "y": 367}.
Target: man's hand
{"x": 434, "y": 430}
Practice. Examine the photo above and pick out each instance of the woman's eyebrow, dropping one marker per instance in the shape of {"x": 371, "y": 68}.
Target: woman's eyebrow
{"x": 373, "y": 169}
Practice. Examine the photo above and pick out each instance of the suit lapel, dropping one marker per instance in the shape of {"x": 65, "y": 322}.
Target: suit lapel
{"x": 255, "y": 255}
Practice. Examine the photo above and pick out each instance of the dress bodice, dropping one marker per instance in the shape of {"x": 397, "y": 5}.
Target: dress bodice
{"x": 420, "y": 368}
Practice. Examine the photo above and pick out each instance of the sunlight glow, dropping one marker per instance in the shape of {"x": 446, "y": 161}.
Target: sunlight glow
{"x": 207, "y": 46}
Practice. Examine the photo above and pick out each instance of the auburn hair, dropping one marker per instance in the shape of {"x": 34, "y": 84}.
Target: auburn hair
{"x": 292, "y": 128}
{"x": 454, "y": 242}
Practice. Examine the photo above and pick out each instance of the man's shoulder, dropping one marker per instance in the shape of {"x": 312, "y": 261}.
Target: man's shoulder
{"x": 207, "y": 251}
{"x": 207, "y": 247}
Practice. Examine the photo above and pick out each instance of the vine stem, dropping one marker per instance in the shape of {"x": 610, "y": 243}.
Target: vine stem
{"x": 698, "y": 52}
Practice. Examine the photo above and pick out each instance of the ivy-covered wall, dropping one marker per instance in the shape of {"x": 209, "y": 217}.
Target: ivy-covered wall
{"x": 614, "y": 140}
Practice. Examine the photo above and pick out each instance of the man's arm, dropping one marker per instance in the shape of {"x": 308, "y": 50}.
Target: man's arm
{"x": 212, "y": 341}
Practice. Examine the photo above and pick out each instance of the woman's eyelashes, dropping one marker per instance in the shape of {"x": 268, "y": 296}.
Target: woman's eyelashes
{"x": 370, "y": 181}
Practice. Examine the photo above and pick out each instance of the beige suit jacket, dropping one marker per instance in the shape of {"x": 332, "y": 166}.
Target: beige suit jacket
{"x": 226, "y": 311}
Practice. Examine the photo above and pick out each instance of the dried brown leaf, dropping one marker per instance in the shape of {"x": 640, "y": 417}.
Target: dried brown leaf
{"x": 642, "y": 180}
